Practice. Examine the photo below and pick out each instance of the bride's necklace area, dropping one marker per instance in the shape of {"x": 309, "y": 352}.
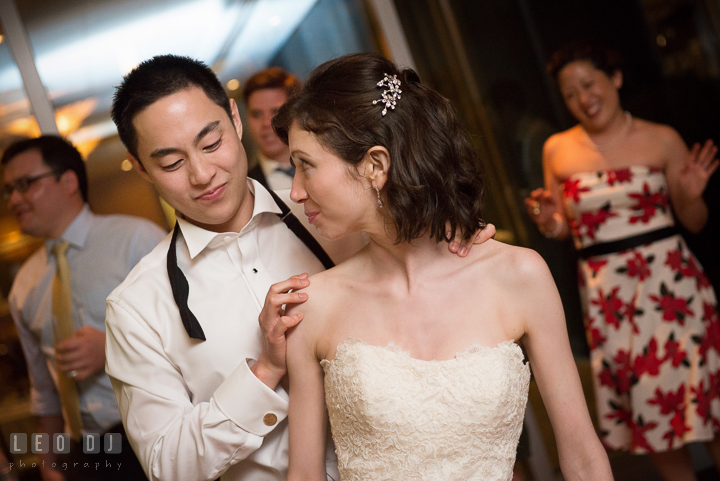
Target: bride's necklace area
{"x": 620, "y": 136}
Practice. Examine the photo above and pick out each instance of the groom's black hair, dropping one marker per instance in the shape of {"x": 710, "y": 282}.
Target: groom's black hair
{"x": 155, "y": 79}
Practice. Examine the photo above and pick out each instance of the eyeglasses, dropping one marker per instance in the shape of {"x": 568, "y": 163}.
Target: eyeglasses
{"x": 23, "y": 184}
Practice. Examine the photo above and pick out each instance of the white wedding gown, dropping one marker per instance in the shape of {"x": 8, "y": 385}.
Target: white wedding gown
{"x": 398, "y": 418}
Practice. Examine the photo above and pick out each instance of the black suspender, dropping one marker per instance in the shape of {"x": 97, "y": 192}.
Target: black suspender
{"x": 301, "y": 232}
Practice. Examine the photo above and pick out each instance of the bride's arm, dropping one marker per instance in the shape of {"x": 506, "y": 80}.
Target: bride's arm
{"x": 307, "y": 417}
{"x": 582, "y": 456}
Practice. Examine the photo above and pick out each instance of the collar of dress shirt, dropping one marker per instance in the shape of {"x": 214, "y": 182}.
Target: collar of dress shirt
{"x": 198, "y": 238}
{"x": 76, "y": 233}
{"x": 268, "y": 166}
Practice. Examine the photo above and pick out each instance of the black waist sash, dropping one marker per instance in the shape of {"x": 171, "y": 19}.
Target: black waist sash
{"x": 620, "y": 245}
{"x": 179, "y": 283}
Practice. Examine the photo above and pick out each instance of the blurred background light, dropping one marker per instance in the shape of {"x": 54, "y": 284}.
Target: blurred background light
{"x": 126, "y": 165}
{"x": 86, "y": 49}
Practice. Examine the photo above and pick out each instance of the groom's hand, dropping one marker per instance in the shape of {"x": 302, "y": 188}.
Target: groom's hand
{"x": 271, "y": 366}
{"x": 461, "y": 246}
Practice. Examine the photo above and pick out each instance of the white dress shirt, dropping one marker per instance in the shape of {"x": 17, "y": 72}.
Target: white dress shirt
{"x": 103, "y": 250}
{"x": 193, "y": 409}
{"x": 276, "y": 177}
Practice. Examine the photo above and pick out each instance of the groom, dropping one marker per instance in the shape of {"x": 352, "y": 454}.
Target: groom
{"x": 196, "y": 378}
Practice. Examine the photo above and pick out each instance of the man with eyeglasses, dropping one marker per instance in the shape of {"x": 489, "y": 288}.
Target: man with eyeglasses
{"x": 45, "y": 187}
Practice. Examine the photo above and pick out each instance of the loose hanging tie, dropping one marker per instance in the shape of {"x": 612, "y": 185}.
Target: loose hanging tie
{"x": 179, "y": 284}
{"x": 181, "y": 290}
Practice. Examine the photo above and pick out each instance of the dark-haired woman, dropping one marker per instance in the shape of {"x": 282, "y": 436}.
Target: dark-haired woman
{"x": 651, "y": 315}
{"x": 413, "y": 353}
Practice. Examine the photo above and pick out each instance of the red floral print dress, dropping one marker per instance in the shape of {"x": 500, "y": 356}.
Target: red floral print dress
{"x": 651, "y": 316}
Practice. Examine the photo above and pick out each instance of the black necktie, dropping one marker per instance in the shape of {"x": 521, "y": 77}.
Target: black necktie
{"x": 179, "y": 284}
{"x": 289, "y": 171}
{"x": 181, "y": 289}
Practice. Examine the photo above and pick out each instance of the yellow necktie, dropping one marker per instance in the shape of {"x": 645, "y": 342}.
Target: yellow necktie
{"x": 63, "y": 312}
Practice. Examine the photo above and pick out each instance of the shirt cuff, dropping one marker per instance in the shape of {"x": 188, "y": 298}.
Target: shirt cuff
{"x": 250, "y": 403}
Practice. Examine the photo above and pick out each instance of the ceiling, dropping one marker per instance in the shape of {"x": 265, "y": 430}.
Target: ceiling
{"x": 82, "y": 49}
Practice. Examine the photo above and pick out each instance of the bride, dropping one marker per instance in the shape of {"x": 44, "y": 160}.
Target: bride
{"x": 412, "y": 352}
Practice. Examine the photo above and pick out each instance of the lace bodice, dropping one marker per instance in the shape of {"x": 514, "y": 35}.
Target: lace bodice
{"x": 394, "y": 417}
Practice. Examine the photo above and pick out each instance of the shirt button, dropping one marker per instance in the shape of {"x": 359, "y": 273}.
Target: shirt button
{"x": 228, "y": 239}
{"x": 269, "y": 419}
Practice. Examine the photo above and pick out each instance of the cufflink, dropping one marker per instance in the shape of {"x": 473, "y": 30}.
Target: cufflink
{"x": 269, "y": 419}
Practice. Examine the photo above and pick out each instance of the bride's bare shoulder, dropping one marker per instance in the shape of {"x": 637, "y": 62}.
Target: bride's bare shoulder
{"x": 333, "y": 279}
{"x": 324, "y": 291}
{"x": 513, "y": 265}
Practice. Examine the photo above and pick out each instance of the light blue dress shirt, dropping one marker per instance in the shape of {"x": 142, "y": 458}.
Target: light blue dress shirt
{"x": 103, "y": 250}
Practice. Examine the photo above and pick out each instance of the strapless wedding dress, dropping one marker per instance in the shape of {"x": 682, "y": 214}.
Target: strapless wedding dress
{"x": 398, "y": 418}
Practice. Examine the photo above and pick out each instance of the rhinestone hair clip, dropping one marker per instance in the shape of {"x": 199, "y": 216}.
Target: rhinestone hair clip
{"x": 391, "y": 95}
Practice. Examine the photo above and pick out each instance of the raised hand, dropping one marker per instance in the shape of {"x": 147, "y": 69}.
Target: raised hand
{"x": 699, "y": 165}
{"x": 540, "y": 206}
{"x": 271, "y": 365}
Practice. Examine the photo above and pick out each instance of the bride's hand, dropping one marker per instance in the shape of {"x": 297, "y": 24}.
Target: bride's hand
{"x": 461, "y": 246}
{"x": 271, "y": 365}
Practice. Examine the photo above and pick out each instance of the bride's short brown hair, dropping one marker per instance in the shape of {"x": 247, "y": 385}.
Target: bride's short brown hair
{"x": 434, "y": 175}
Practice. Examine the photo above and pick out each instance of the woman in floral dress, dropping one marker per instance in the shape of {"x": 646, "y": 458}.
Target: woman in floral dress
{"x": 613, "y": 182}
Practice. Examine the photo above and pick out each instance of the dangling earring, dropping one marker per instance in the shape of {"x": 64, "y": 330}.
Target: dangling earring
{"x": 377, "y": 189}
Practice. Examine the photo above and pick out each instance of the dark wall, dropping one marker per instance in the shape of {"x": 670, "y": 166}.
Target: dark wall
{"x": 671, "y": 70}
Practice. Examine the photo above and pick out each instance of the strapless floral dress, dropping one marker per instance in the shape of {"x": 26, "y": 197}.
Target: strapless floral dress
{"x": 651, "y": 315}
